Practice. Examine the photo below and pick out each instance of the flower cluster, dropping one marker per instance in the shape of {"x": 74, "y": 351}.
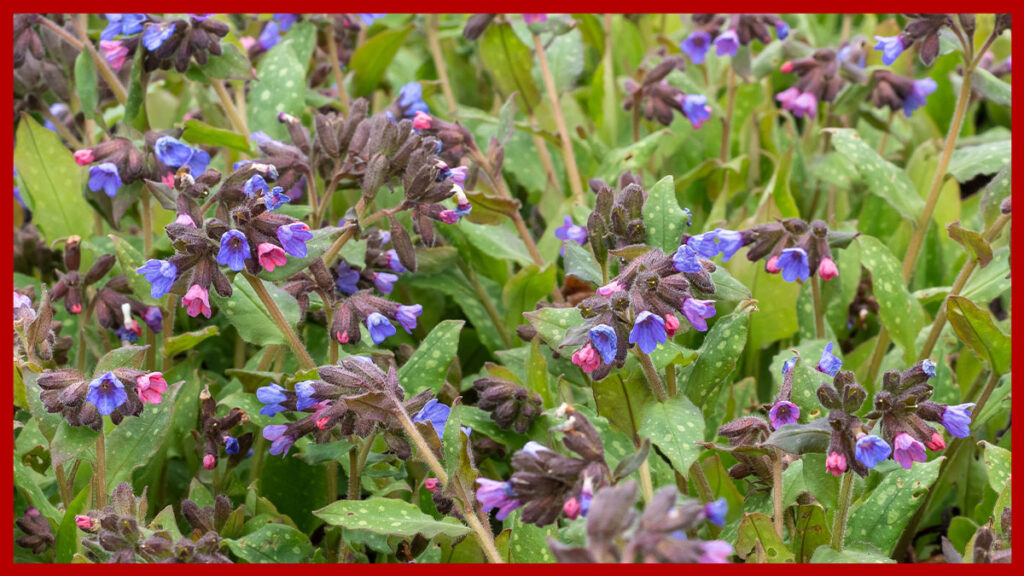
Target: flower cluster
{"x": 657, "y": 99}
{"x": 742, "y": 30}
{"x": 510, "y": 405}
{"x": 177, "y": 42}
{"x": 215, "y": 432}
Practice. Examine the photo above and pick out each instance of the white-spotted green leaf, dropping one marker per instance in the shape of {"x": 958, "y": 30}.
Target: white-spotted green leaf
{"x": 717, "y": 356}
{"x": 988, "y": 158}
{"x": 900, "y": 311}
{"x": 883, "y": 179}
{"x": 673, "y": 426}
{"x": 272, "y": 544}
{"x": 663, "y": 217}
{"x": 388, "y": 516}
{"x": 246, "y": 312}
{"x": 428, "y": 366}
{"x": 880, "y": 519}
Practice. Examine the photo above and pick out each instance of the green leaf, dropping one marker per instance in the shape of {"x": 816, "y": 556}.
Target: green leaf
{"x": 975, "y": 328}
{"x": 497, "y": 242}
{"x": 372, "y": 58}
{"x": 995, "y": 192}
{"x": 812, "y": 531}
{"x": 856, "y": 554}
{"x": 315, "y": 248}
{"x": 780, "y": 188}
{"x": 717, "y": 356}
{"x": 993, "y": 89}
{"x": 231, "y": 64}
{"x": 281, "y": 88}
{"x": 883, "y": 179}
{"x": 183, "y": 342}
{"x": 524, "y": 290}
{"x": 197, "y": 132}
{"x": 387, "y": 516}
{"x": 551, "y": 323}
{"x": 997, "y": 463}
{"x": 509, "y": 62}
{"x": 52, "y": 181}
{"x": 428, "y": 366}
{"x": 537, "y": 379}
{"x": 135, "y": 105}
{"x": 528, "y": 544}
{"x": 802, "y": 438}
{"x": 130, "y": 260}
{"x": 880, "y": 519}
{"x": 663, "y": 217}
{"x": 899, "y": 310}
{"x": 86, "y": 84}
{"x": 988, "y": 158}
{"x": 727, "y": 288}
{"x": 73, "y": 443}
{"x": 974, "y": 242}
{"x": 135, "y": 440}
{"x": 579, "y": 262}
{"x": 506, "y": 120}
{"x": 123, "y": 357}
{"x": 454, "y": 284}
{"x": 25, "y": 479}
{"x": 67, "y": 532}
{"x": 246, "y": 312}
{"x": 673, "y": 426}
{"x": 272, "y": 544}
{"x": 758, "y": 528}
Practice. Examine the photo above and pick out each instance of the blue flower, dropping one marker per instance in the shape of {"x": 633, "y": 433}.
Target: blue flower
{"x": 280, "y": 442}
{"x": 270, "y": 36}
{"x": 161, "y": 274}
{"x": 384, "y": 282}
{"x": 380, "y": 327}
{"x": 709, "y": 244}
{"x": 174, "y": 154}
{"x": 104, "y": 177}
{"x": 685, "y": 260}
{"x": 154, "y": 318}
{"x": 230, "y": 445}
{"x": 275, "y": 198}
{"x": 715, "y": 511}
{"x": 794, "y": 264}
{"x": 255, "y": 185}
{"x": 605, "y": 341}
{"x": 533, "y": 448}
{"x": 285, "y": 21}
{"x": 406, "y": 316}
{"x": 304, "y": 393}
{"x": 648, "y": 331}
{"x": 394, "y": 263}
{"x": 106, "y": 393}
{"x": 347, "y": 279}
{"x": 957, "y": 419}
{"x": 928, "y": 367}
{"x": 918, "y": 96}
{"x": 569, "y": 231}
{"x": 727, "y": 43}
{"x": 496, "y": 495}
{"x": 156, "y": 34}
{"x": 271, "y": 396}
{"x": 696, "y": 46}
{"x": 410, "y": 99}
{"x": 781, "y": 29}
{"x": 782, "y": 413}
{"x": 122, "y": 24}
{"x": 369, "y": 19}
{"x": 844, "y": 54}
{"x": 234, "y": 250}
{"x": 788, "y": 365}
{"x": 127, "y": 334}
{"x": 871, "y": 450}
{"x": 293, "y": 238}
{"x": 696, "y": 109}
{"x": 829, "y": 364}
{"x": 891, "y": 47}
{"x": 56, "y": 109}
{"x": 435, "y": 413}
{"x": 698, "y": 311}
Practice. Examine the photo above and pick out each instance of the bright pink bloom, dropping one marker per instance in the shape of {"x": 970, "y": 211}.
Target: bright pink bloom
{"x": 84, "y": 157}
{"x": 185, "y": 219}
{"x": 168, "y": 179}
{"x": 609, "y": 289}
{"x": 84, "y": 522}
{"x": 76, "y": 308}
{"x": 421, "y": 121}
{"x": 343, "y": 337}
{"x": 571, "y": 508}
{"x": 531, "y": 18}
{"x": 151, "y": 387}
{"x": 771, "y": 265}
{"x": 270, "y": 256}
{"x": 835, "y": 464}
{"x": 115, "y": 52}
{"x": 209, "y": 461}
{"x": 449, "y": 216}
{"x": 587, "y": 358}
{"x": 432, "y": 484}
{"x": 247, "y": 42}
{"x": 936, "y": 443}
{"x": 787, "y": 67}
{"x": 197, "y": 301}
{"x": 827, "y": 269}
{"x": 671, "y": 324}
{"x": 907, "y": 450}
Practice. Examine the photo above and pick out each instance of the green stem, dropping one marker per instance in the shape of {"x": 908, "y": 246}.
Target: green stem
{"x": 332, "y": 481}
{"x": 354, "y": 471}
{"x": 301, "y": 354}
{"x": 653, "y": 378}
{"x": 646, "y": 484}
{"x": 100, "y": 475}
{"x": 258, "y": 450}
{"x": 488, "y": 304}
{"x": 819, "y": 308}
{"x": 563, "y": 131}
{"x": 229, "y": 108}
{"x": 842, "y": 512}
{"x": 434, "y": 45}
{"x": 670, "y": 379}
{"x": 339, "y": 78}
{"x": 62, "y": 485}
{"x": 777, "y": 492}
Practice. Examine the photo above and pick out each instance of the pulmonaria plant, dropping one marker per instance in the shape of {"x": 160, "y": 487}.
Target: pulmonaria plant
{"x": 215, "y": 433}
{"x": 658, "y": 100}
{"x": 82, "y": 401}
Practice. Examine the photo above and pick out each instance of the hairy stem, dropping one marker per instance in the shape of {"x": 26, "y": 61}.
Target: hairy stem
{"x": 353, "y": 474}
{"x": 842, "y": 512}
{"x": 301, "y": 354}
{"x": 777, "y": 492}
{"x": 653, "y": 378}
{"x": 819, "y": 307}
{"x": 100, "y": 495}
{"x": 434, "y": 45}
{"x": 339, "y": 78}
{"x": 332, "y": 481}
{"x": 229, "y": 108}
{"x": 488, "y": 304}
{"x": 670, "y": 379}
{"x": 563, "y": 131}
{"x": 646, "y": 484}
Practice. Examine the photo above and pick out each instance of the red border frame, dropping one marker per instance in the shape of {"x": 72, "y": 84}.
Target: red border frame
{"x": 405, "y": 6}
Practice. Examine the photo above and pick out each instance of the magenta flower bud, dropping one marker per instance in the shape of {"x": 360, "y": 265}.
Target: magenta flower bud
{"x": 432, "y": 484}
{"x": 185, "y": 220}
{"x": 571, "y": 508}
{"x": 84, "y": 522}
{"x": 827, "y": 269}
{"x": 610, "y": 288}
{"x": 936, "y": 443}
{"x": 587, "y": 358}
{"x": 197, "y": 301}
{"x": 421, "y": 121}
{"x": 449, "y": 216}
{"x": 671, "y": 324}
{"x": 835, "y": 464}
{"x": 209, "y": 461}
{"x": 270, "y": 256}
{"x": 84, "y": 157}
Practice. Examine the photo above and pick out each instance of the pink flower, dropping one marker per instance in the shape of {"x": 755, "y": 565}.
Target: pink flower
{"x": 185, "y": 219}
{"x": 587, "y": 358}
{"x": 531, "y": 18}
{"x": 771, "y": 265}
{"x": 84, "y": 522}
{"x": 807, "y": 104}
{"x": 827, "y": 269}
{"x": 786, "y": 97}
{"x": 835, "y": 464}
{"x": 270, "y": 256}
{"x": 151, "y": 387}
{"x": 343, "y": 337}
{"x": 671, "y": 324}
{"x": 936, "y": 443}
{"x": 209, "y": 461}
{"x": 571, "y": 508}
{"x": 247, "y": 42}
{"x": 449, "y": 216}
{"x": 907, "y": 450}
{"x": 168, "y": 179}
{"x": 84, "y": 157}
{"x": 432, "y": 484}
{"x": 115, "y": 53}
{"x": 197, "y": 301}
{"x": 609, "y": 289}
{"x": 786, "y": 67}
{"x": 421, "y": 121}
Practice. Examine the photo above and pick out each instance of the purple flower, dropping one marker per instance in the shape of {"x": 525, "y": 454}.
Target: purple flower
{"x": 917, "y": 96}
{"x": 696, "y": 109}
{"x": 727, "y": 43}
{"x": 533, "y": 448}
{"x": 532, "y": 18}
{"x": 804, "y": 104}
{"x": 104, "y": 177}
{"x": 154, "y": 318}
{"x": 928, "y": 367}
{"x": 285, "y": 21}
{"x": 715, "y": 511}
{"x": 174, "y": 154}
{"x": 781, "y": 29}
{"x": 255, "y": 185}
{"x": 793, "y": 263}
{"x": 696, "y": 46}
{"x": 122, "y": 24}
{"x": 435, "y": 413}
{"x": 410, "y": 99}
{"x": 908, "y": 450}
{"x": 957, "y": 419}
{"x": 605, "y": 341}
{"x": 234, "y": 249}
{"x": 783, "y": 413}
{"x": 394, "y": 264}
{"x": 106, "y": 393}
{"x": 716, "y": 552}
{"x": 384, "y": 282}
{"x": 685, "y": 260}
{"x": 270, "y": 36}
{"x": 293, "y": 238}
{"x": 496, "y": 495}
{"x": 406, "y": 316}
{"x": 891, "y": 47}
{"x": 380, "y": 327}
{"x": 871, "y": 450}
{"x": 161, "y": 274}
{"x": 347, "y": 279}
{"x": 709, "y": 244}
{"x": 280, "y": 443}
{"x": 156, "y": 34}
{"x": 788, "y": 365}
{"x": 304, "y": 393}
{"x": 369, "y": 19}
{"x": 697, "y": 311}
{"x": 570, "y": 231}
{"x": 648, "y": 331}
{"x": 230, "y": 445}
{"x": 271, "y": 396}
{"x": 126, "y": 334}
{"x": 829, "y": 364}
{"x": 275, "y": 198}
